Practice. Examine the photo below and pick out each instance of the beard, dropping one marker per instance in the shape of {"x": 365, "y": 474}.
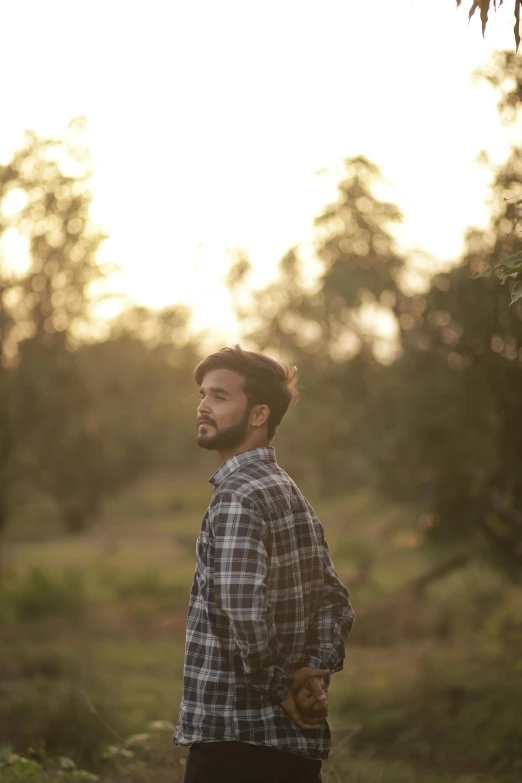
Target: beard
{"x": 227, "y": 438}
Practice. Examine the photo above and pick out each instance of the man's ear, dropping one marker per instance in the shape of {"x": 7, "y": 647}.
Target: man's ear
{"x": 260, "y": 415}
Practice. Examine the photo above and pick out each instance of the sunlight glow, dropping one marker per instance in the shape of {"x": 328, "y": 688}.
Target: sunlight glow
{"x": 207, "y": 123}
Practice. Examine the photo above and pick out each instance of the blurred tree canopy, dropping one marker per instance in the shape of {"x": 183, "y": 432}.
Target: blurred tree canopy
{"x": 434, "y": 417}
{"x": 329, "y": 331}
{"x": 44, "y": 203}
{"x": 78, "y": 418}
{"x": 504, "y": 73}
{"x": 453, "y": 403}
{"x": 417, "y": 392}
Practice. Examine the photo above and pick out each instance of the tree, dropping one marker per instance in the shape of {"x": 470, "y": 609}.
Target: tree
{"x": 504, "y": 73}
{"x": 437, "y": 423}
{"x": 140, "y": 381}
{"x": 330, "y": 329}
{"x": 44, "y": 201}
{"x": 451, "y": 408}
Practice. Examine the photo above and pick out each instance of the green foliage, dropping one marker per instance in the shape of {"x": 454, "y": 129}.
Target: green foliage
{"x": 16, "y": 768}
{"x": 45, "y": 705}
{"x": 43, "y": 405}
{"x": 149, "y": 583}
{"x": 454, "y": 393}
{"x": 140, "y": 381}
{"x": 510, "y": 268}
{"x": 40, "y": 594}
{"x": 433, "y": 417}
{"x": 442, "y": 707}
{"x": 78, "y": 418}
{"x": 155, "y": 760}
{"x": 361, "y": 267}
{"x": 328, "y": 330}
{"x": 90, "y": 694}
{"x": 504, "y": 73}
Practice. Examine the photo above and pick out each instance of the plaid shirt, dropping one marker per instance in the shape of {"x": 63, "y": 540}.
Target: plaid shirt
{"x": 265, "y": 600}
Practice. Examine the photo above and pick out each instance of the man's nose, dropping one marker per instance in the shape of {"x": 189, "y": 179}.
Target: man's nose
{"x": 203, "y": 405}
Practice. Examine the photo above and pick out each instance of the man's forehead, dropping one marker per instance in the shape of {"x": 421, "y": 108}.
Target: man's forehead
{"x": 227, "y": 379}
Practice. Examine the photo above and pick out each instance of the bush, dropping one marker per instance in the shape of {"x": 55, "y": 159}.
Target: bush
{"x": 461, "y": 713}
{"x": 149, "y": 584}
{"x": 15, "y": 768}
{"x": 145, "y": 758}
{"x": 46, "y": 703}
{"x": 42, "y": 594}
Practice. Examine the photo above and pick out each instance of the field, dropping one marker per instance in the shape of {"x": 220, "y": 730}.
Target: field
{"x": 92, "y": 640}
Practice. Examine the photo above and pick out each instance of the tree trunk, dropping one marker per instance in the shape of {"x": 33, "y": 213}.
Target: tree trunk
{"x": 3, "y": 523}
{"x": 6, "y": 449}
{"x": 419, "y": 585}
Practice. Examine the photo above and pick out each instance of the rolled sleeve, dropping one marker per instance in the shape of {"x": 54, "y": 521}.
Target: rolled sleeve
{"x": 332, "y": 622}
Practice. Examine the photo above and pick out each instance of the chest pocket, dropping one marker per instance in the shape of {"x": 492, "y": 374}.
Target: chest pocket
{"x": 203, "y": 556}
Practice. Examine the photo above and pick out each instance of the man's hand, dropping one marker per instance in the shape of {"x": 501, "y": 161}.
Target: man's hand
{"x": 311, "y": 698}
{"x": 290, "y": 706}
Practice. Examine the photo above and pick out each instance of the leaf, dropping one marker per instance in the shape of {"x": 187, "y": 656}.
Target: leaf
{"x": 485, "y": 272}
{"x": 516, "y": 293}
{"x": 6, "y": 752}
{"x": 473, "y": 9}
{"x": 83, "y": 774}
{"x": 136, "y": 739}
{"x": 161, "y": 725}
{"x": 516, "y": 28}
{"x": 484, "y": 8}
{"x": 514, "y": 257}
{"x": 512, "y": 263}
{"x": 483, "y": 5}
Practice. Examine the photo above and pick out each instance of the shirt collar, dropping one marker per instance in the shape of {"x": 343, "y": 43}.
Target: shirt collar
{"x": 264, "y": 454}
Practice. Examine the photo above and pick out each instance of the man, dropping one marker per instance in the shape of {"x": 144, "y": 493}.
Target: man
{"x": 268, "y": 616}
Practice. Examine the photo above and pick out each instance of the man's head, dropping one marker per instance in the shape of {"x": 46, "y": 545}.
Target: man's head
{"x": 244, "y": 395}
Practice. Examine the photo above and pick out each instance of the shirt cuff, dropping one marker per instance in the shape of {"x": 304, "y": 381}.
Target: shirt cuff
{"x": 313, "y": 662}
{"x": 279, "y": 693}
{"x": 273, "y": 682}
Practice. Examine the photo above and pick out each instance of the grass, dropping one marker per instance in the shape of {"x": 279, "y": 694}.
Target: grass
{"x": 150, "y": 757}
{"x": 92, "y": 647}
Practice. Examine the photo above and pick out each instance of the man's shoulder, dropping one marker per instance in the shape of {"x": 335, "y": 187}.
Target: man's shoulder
{"x": 260, "y": 485}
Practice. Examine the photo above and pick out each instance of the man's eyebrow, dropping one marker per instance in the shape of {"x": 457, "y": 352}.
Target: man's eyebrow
{"x": 218, "y": 390}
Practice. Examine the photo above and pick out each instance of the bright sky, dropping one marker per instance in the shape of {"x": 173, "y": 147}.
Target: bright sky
{"x": 208, "y": 121}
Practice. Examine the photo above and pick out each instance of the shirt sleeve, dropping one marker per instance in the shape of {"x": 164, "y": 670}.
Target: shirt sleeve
{"x": 240, "y": 568}
{"x": 331, "y": 623}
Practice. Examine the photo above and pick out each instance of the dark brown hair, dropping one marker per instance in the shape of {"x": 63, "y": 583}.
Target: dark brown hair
{"x": 267, "y": 382}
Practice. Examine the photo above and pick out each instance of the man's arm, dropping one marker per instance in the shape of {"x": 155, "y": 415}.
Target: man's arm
{"x": 240, "y": 568}
{"x": 331, "y": 623}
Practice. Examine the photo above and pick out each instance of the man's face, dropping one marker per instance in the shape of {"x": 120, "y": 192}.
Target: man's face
{"x": 223, "y": 413}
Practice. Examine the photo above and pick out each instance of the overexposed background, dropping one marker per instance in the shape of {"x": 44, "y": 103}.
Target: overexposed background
{"x": 208, "y": 122}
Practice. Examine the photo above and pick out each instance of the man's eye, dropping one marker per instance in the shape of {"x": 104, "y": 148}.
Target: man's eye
{"x": 219, "y": 398}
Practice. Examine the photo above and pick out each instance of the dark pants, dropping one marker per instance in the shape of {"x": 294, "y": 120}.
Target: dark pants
{"x": 239, "y": 762}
